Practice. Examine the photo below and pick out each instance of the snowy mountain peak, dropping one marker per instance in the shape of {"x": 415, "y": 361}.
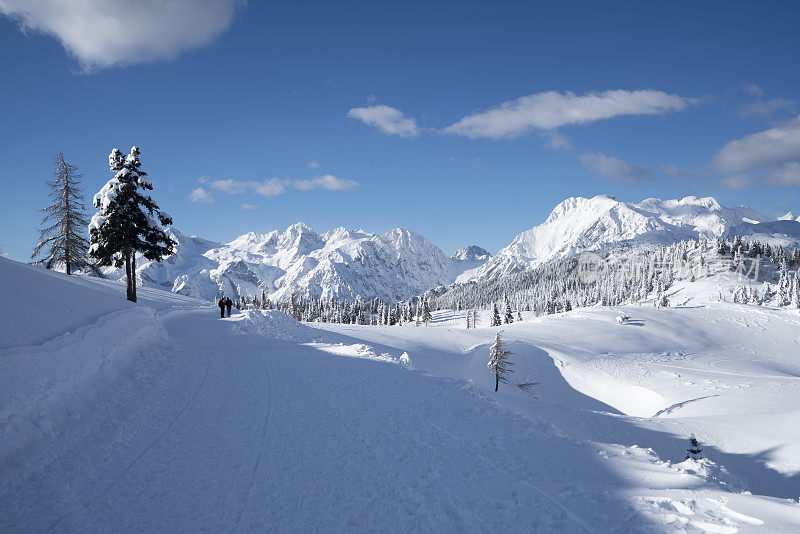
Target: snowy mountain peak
{"x": 340, "y": 264}
{"x": 471, "y": 253}
{"x": 790, "y": 216}
{"x": 585, "y": 224}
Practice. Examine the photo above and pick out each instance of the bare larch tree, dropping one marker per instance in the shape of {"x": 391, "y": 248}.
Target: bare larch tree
{"x": 499, "y": 364}
{"x": 63, "y": 240}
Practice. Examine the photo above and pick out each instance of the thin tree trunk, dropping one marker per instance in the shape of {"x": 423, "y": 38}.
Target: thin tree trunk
{"x": 496, "y": 381}
{"x": 129, "y": 294}
{"x": 133, "y": 275}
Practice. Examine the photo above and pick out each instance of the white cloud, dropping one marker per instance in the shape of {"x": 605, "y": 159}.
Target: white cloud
{"x": 327, "y": 182}
{"x": 762, "y": 150}
{"x": 551, "y": 109}
{"x": 201, "y": 195}
{"x": 615, "y": 169}
{"x": 270, "y": 187}
{"x": 313, "y": 165}
{"x": 386, "y": 119}
{"x": 739, "y": 181}
{"x": 250, "y": 207}
{"x": 273, "y": 187}
{"x": 104, "y": 33}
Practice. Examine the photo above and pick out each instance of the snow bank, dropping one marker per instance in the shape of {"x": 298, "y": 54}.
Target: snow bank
{"x": 36, "y": 383}
{"x": 360, "y": 350}
{"x": 274, "y": 324}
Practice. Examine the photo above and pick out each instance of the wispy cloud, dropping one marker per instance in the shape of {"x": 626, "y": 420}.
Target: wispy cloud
{"x": 556, "y": 140}
{"x": 200, "y": 195}
{"x": 273, "y": 187}
{"x": 551, "y": 109}
{"x": 386, "y": 119}
{"x": 762, "y": 107}
{"x": 739, "y": 181}
{"x": 677, "y": 172}
{"x": 614, "y": 169}
{"x": 327, "y": 182}
{"x": 765, "y": 108}
{"x": 787, "y": 174}
{"x": 313, "y": 165}
{"x": 250, "y": 207}
{"x": 104, "y": 33}
{"x": 753, "y": 89}
{"x": 231, "y": 187}
{"x": 762, "y": 150}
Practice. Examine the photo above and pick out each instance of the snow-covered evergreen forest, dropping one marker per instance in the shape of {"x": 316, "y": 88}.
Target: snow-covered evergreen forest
{"x": 768, "y": 275}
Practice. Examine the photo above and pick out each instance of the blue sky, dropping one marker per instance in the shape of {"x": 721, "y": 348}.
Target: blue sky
{"x": 463, "y": 121}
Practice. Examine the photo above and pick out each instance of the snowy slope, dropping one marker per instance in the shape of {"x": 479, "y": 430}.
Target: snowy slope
{"x": 161, "y": 417}
{"x": 726, "y": 373}
{"x": 339, "y": 264}
{"x": 588, "y": 224}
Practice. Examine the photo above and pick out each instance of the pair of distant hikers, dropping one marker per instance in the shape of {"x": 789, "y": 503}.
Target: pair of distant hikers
{"x": 224, "y": 303}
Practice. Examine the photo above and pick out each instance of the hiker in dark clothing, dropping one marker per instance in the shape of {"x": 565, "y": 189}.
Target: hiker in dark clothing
{"x": 228, "y": 305}
{"x": 221, "y": 305}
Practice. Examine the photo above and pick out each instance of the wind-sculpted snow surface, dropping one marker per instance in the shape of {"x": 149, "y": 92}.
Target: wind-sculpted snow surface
{"x": 591, "y": 224}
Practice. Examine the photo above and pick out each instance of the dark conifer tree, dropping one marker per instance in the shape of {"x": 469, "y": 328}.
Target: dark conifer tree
{"x": 127, "y": 220}
{"x": 509, "y": 315}
{"x": 694, "y": 449}
{"x": 495, "y": 315}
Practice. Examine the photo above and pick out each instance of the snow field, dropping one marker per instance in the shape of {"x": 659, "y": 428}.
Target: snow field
{"x": 170, "y": 419}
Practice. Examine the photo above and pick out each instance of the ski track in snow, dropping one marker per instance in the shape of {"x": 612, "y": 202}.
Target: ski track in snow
{"x": 677, "y": 405}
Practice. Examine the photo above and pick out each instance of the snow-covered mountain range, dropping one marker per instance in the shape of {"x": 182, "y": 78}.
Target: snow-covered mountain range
{"x": 589, "y": 224}
{"x": 339, "y": 264}
{"x": 344, "y": 264}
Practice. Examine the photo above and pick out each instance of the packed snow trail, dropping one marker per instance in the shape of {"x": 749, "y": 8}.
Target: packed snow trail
{"x": 242, "y": 432}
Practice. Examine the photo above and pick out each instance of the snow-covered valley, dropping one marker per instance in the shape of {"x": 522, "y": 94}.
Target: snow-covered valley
{"x": 161, "y": 416}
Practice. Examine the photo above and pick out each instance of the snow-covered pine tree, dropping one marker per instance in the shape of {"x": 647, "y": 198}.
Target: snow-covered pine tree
{"x": 426, "y": 312}
{"x": 499, "y": 364}
{"x": 694, "y": 449}
{"x": 509, "y": 315}
{"x": 125, "y": 222}
{"x": 495, "y": 315}
{"x": 64, "y": 240}
{"x": 796, "y": 292}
